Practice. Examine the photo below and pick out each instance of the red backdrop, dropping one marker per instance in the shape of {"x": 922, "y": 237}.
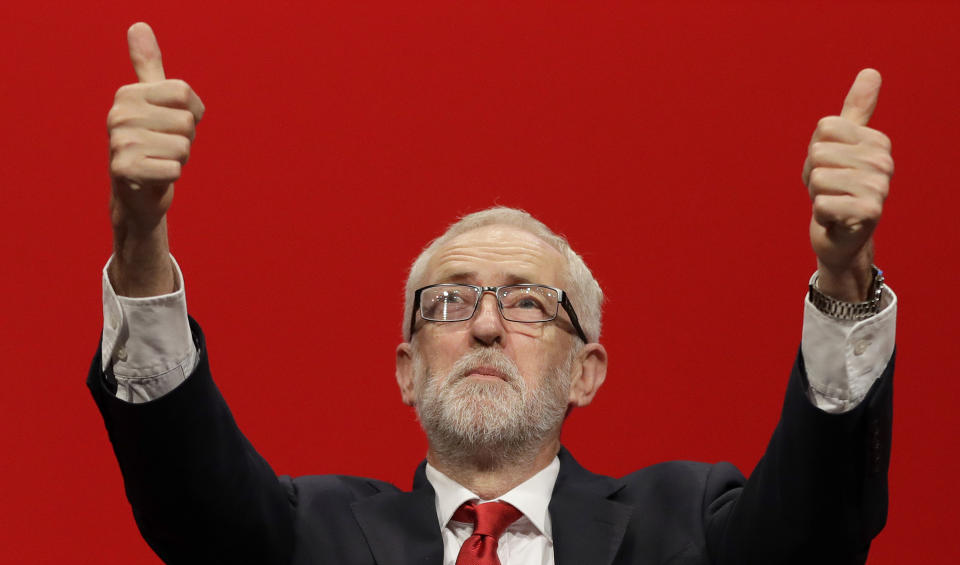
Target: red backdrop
{"x": 665, "y": 140}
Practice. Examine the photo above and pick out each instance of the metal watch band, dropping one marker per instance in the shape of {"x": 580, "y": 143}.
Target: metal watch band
{"x": 856, "y": 311}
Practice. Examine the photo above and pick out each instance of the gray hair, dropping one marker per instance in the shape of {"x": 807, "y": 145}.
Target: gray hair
{"x": 582, "y": 288}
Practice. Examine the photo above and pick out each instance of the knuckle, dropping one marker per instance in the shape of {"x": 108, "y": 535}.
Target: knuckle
{"x": 818, "y": 150}
{"x": 181, "y": 90}
{"x": 816, "y": 177}
{"x": 883, "y": 188}
{"x": 121, "y": 165}
{"x": 872, "y": 210}
{"x": 828, "y": 126}
{"x": 123, "y": 92}
{"x": 129, "y": 92}
{"x": 821, "y": 206}
{"x": 882, "y": 162}
{"x": 183, "y": 149}
{"x": 877, "y": 184}
{"x": 120, "y": 140}
{"x": 883, "y": 140}
{"x": 185, "y": 122}
{"x": 117, "y": 116}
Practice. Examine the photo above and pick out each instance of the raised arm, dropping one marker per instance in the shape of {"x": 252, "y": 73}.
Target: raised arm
{"x": 151, "y": 125}
{"x": 819, "y": 494}
{"x": 198, "y": 489}
{"x": 847, "y": 172}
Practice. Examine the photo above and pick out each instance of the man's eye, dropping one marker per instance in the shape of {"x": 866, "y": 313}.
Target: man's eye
{"x": 523, "y": 302}
{"x": 450, "y": 298}
{"x": 527, "y": 303}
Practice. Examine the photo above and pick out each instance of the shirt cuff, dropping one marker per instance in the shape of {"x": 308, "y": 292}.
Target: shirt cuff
{"x": 147, "y": 344}
{"x": 843, "y": 358}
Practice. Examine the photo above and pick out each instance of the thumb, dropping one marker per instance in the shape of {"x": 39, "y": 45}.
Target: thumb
{"x": 145, "y": 53}
{"x": 862, "y": 98}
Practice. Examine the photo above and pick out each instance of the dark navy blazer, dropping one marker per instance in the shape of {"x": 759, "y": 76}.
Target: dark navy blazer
{"x": 201, "y": 494}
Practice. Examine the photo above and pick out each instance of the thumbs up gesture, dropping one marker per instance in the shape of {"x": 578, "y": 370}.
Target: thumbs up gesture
{"x": 151, "y": 126}
{"x": 847, "y": 172}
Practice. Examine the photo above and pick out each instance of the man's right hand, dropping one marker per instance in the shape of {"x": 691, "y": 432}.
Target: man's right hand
{"x": 151, "y": 125}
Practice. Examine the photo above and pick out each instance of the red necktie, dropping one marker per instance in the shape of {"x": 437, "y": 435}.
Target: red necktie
{"x": 489, "y": 519}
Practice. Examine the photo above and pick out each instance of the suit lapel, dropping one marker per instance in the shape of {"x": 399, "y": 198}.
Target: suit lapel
{"x": 402, "y": 528}
{"x": 587, "y": 526}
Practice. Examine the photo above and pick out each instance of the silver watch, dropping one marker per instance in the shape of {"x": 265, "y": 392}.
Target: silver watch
{"x": 856, "y": 311}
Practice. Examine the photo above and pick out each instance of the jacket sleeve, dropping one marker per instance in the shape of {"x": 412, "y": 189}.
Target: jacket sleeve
{"x": 818, "y": 495}
{"x": 200, "y": 492}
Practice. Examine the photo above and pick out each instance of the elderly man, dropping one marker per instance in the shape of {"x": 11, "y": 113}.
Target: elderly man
{"x": 501, "y": 341}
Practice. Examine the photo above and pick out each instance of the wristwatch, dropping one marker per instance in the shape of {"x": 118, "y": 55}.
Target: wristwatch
{"x": 856, "y": 311}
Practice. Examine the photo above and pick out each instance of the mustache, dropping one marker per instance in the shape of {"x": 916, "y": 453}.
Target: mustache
{"x": 496, "y": 360}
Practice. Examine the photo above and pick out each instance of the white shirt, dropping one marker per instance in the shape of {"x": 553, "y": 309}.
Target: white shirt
{"x": 527, "y": 541}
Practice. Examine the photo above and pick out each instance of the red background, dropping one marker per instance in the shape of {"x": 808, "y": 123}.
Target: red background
{"x": 665, "y": 140}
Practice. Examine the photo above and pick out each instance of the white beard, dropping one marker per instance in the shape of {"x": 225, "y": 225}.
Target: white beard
{"x": 489, "y": 423}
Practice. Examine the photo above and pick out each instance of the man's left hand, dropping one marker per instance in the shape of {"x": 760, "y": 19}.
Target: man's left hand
{"x": 847, "y": 172}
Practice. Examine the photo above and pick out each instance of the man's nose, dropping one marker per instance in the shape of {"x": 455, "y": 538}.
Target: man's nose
{"x": 487, "y": 323}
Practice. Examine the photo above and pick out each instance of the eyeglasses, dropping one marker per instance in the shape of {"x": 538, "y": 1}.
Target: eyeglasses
{"x": 526, "y": 303}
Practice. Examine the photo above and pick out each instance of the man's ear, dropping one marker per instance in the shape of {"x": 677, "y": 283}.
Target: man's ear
{"x": 405, "y": 373}
{"x": 589, "y": 372}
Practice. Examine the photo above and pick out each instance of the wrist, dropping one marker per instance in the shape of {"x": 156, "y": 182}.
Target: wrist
{"x": 848, "y": 309}
{"x": 141, "y": 264}
{"x": 851, "y": 283}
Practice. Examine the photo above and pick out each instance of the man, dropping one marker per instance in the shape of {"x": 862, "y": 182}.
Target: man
{"x": 500, "y": 342}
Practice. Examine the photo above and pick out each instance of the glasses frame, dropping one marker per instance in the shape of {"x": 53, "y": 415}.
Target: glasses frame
{"x": 481, "y": 290}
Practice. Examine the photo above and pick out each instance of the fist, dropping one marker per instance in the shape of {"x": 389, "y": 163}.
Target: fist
{"x": 847, "y": 173}
{"x": 151, "y": 127}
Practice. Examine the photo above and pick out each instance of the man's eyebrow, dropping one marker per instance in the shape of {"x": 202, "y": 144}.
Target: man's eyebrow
{"x": 459, "y": 277}
{"x": 470, "y": 277}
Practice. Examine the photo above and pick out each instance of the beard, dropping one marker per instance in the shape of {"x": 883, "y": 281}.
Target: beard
{"x": 489, "y": 423}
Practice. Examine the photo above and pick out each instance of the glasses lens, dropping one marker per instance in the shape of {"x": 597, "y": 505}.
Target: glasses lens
{"x": 447, "y": 303}
{"x": 529, "y": 303}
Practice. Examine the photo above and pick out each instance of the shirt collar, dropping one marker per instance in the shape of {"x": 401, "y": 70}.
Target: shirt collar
{"x": 532, "y": 497}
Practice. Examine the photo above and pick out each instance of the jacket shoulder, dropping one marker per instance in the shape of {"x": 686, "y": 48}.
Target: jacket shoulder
{"x": 687, "y": 483}
{"x": 344, "y": 487}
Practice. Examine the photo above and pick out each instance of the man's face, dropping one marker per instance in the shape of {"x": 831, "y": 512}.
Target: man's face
{"x": 488, "y": 383}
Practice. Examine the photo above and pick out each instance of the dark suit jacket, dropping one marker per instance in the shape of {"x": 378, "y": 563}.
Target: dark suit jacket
{"x": 201, "y": 494}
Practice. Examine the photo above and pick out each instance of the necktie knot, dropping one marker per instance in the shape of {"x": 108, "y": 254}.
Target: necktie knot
{"x": 489, "y": 519}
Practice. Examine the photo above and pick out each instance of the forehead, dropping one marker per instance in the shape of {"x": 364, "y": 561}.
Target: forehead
{"x": 495, "y": 255}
